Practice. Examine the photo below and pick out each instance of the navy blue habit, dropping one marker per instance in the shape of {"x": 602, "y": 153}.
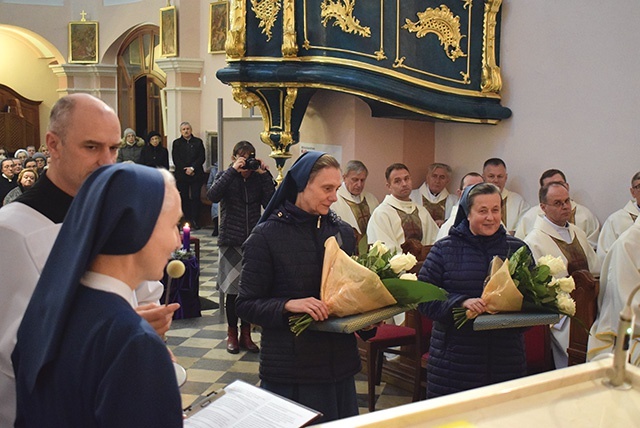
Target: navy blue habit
{"x": 84, "y": 358}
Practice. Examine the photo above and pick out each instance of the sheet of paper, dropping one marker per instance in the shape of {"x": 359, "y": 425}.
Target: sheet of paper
{"x": 245, "y": 405}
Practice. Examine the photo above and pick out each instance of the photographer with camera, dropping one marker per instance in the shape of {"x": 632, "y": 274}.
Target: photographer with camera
{"x": 242, "y": 189}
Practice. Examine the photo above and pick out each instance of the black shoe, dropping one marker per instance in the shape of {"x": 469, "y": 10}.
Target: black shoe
{"x": 215, "y": 230}
{"x": 195, "y": 225}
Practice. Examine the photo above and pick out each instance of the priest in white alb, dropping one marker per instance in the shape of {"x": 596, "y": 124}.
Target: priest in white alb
{"x": 553, "y": 235}
{"x": 433, "y": 194}
{"x": 398, "y": 218}
{"x": 514, "y": 206}
{"x": 354, "y": 204}
{"x": 620, "y": 275}
{"x": 581, "y": 216}
{"x": 620, "y": 220}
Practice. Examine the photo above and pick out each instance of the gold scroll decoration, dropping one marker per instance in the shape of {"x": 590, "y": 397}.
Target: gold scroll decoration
{"x": 289, "y": 46}
{"x": 342, "y": 12}
{"x": 491, "y": 80}
{"x": 279, "y": 149}
{"x": 235, "y": 46}
{"x": 443, "y": 24}
{"x": 267, "y": 12}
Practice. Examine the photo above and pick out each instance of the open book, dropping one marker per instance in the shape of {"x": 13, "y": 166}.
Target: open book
{"x": 240, "y": 404}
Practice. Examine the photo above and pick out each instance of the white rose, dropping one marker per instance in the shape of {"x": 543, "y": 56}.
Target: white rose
{"x": 409, "y": 276}
{"x": 401, "y": 262}
{"x": 565, "y": 303}
{"x": 378, "y": 249}
{"x": 556, "y": 265}
{"x": 566, "y": 284}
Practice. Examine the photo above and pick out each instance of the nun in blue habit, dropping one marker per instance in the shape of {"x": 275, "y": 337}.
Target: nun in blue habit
{"x": 84, "y": 358}
{"x": 462, "y": 359}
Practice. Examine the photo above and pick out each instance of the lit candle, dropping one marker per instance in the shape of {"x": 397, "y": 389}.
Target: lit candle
{"x": 186, "y": 237}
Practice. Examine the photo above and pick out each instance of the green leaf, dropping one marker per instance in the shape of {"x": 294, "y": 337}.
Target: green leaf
{"x": 363, "y": 247}
{"x": 542, "y": 273}
{"x": 406, "y": 291}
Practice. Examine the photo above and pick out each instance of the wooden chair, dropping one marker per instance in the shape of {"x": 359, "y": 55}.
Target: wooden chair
{"x": 427, "y": 326}
{"x": 537, "y": 342}
{"x": 389, "y": 336}
{"x": 586, "y": 297}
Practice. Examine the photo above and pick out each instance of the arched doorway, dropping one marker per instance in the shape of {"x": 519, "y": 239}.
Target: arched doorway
{"x": 140, "y": 82}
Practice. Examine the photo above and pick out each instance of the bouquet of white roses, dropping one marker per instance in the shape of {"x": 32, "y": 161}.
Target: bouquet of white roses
{"x": 515, "y": 286}
{"x": 354, "y": 285}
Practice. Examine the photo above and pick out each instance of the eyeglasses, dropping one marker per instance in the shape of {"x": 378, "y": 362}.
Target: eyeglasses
{"x": 560, "y": 204}
{"x": 636, "y": 187}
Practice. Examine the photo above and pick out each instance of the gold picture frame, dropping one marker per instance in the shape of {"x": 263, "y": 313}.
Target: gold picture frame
{"x": 168, "y": 32}
{"x": 218, "y": 25}
{"x": 83, "y": 42}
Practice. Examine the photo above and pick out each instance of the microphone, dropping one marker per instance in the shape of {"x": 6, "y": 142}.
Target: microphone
{"x": 617, "y": 377}
{"x": 175, "y": 269}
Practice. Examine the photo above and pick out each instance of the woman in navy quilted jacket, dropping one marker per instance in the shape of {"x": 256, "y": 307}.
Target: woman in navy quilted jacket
{"x": 281, "y": 276}
{"x": 462, "y": 359}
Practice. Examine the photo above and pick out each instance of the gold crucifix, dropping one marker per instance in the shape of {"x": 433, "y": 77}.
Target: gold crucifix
{"x": 83, "y": 14}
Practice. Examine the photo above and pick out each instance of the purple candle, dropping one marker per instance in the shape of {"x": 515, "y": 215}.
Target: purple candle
{"x": 186, "y": 237}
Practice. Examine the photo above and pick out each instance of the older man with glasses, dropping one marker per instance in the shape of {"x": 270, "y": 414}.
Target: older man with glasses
{"x": 554, "y": 235}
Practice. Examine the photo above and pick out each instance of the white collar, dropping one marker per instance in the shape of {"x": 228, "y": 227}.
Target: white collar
{"x": 563, "y": 231}
{"x": 406, "y": 206}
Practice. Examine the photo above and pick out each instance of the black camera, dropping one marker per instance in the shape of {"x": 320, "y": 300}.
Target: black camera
{"x": 252, "y": 163}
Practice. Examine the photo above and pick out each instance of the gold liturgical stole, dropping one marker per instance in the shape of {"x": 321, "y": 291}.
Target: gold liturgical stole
{"x": 411, "y": 224}
{"x": 436, "y": 209}
{"x": 576, "y": 258}
{"x": 361, "y": 212}
{"x": 503, "y": 208}
{"x": 572, "y": 218}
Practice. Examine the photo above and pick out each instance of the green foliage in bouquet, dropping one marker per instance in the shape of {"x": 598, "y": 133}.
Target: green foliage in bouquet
{"x": 407, "y": 291}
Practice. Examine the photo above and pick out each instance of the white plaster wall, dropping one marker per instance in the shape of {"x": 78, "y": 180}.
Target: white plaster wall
{"x": 570, "y": 74}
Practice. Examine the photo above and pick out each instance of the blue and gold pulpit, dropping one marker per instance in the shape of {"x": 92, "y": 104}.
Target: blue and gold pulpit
{"x": 408, "y": 59}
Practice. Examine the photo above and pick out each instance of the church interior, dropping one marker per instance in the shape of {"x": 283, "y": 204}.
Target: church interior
{"x": 540, "y": 85}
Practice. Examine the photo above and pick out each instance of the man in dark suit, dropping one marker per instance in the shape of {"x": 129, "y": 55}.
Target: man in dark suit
{"x": 8, "y": 179}
{"x": 188, "y": 156}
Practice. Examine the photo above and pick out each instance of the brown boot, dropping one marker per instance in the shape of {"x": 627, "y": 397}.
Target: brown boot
{"x": 232, "y": 340}
{"x": 245, "y": 339}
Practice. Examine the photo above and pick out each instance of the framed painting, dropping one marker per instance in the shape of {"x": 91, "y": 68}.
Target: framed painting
{"x": 83, "y": 42}
{"x": 168, "y": 32}
{"x": 218, "y": 25}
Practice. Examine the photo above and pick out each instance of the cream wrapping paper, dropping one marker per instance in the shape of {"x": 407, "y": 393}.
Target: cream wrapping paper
{"x": 500, "y": 294}
{"x": 347, "y": 287}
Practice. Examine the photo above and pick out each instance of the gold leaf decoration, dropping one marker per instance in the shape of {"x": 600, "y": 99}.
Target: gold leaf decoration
{"x": 342, "y": 12}
{"x": 442, "y": 23}
{"x": 267, "y": 12}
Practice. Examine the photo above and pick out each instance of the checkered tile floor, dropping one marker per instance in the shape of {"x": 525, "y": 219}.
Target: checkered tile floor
{"x": 200, "y": 347}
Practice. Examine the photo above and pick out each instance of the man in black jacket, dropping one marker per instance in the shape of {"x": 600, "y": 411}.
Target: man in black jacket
{"x": 188, "y": 156}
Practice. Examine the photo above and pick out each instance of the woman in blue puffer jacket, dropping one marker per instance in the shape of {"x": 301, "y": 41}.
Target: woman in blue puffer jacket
{"x": 462, "y": 359}
{"x": 281, "y": 276}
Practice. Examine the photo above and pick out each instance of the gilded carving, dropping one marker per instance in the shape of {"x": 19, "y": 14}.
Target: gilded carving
{"x": 267, "y": 12}
{"x": 443, "y": 24}
{"x": 289, "y": 46}
{"x": 342, "y": 12}
{"x": 237, "y": 34}
{"x": 491, "y": 80}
